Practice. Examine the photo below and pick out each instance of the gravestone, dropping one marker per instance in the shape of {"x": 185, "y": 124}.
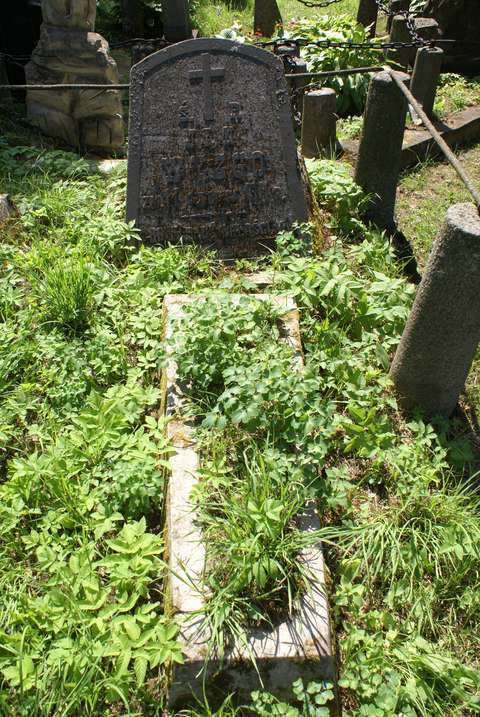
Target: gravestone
{"x": 176, "y": 20}
{"x": 459, "y": 20}
{"x": 212, "y": 156}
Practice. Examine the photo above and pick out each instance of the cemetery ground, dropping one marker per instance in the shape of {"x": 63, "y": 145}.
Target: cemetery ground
{"x": 211, "y": 17}
{"x": 83, "y": 625}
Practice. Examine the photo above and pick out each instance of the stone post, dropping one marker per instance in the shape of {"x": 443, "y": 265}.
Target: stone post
{"x": 294, "y": 64}
{"x": 400, "y": 33}
{"x": 378, "y": 163}
{"x": 426, "y": 72}
{"x": 5, "y": 95}
{"x": 396, "y": 6}
{"x": 176, "y": 20}
{"x": 319, "y": 125}
{"x": 427, "y": 29}
{"x": 440, "y": 339}
{"x": 367, "y": 15}
{"x": 70, "y": 52}
{"x": 266, "y": 17}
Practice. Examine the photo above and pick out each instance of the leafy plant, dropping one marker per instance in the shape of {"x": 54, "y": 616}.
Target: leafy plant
{"x": 351, "y": 89}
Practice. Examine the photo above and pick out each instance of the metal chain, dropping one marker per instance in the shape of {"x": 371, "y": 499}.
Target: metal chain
{"x": 325, "y": 3}
{"x": 409, "y": 17}
{"x": 346, "y": 44}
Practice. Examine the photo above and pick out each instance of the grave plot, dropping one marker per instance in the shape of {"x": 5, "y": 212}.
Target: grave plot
{"x": 295, "y": 640}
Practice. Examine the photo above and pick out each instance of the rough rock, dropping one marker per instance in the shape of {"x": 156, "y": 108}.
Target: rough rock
{"x": 6, "y": 208}
{"x": 69, "y": 52}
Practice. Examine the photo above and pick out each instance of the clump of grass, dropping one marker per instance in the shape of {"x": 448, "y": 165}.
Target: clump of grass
{"x": 456, "y": 93}
{"x": 65, "y": 293}
{"x": 415, "y": 548}
{"x": 248, "y": 513}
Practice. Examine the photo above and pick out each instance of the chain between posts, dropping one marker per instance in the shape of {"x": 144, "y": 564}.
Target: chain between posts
{"x": 325, "y": 3}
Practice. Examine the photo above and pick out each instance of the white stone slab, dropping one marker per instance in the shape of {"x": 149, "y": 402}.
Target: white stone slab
{"x": 297, "y": 647}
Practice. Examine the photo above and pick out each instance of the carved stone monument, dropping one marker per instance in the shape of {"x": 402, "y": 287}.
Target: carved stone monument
{"x": 69, "y": 52}
{"x": 212, "y": 157}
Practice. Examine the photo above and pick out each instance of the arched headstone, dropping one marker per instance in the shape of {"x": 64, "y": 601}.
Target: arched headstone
{"x": 212, "y": 155}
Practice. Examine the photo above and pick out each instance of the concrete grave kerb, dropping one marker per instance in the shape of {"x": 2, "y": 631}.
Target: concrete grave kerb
{"x": 297, "y": 647}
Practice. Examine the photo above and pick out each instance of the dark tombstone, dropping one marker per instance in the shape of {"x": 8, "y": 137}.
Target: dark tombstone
{"x": 459, "y": 20}
{"x": 266, "y": 17}
{"x": 212, "y": 157}
{"x": 176, "y": 20}
{"x": 20, "y": 22}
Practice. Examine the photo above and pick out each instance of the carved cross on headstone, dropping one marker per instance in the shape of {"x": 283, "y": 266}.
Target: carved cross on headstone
{"x": 207, "y": 75}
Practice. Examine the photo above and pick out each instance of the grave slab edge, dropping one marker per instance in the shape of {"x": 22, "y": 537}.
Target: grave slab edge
{"x": 298, "y": 647}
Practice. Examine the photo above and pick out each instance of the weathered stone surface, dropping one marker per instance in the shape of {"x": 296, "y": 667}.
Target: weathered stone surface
{"x": 265, "y": 17}
{"x": 297, "y": 647}
{"x": 176, "y": 20}
{"x": 442, "y": 333}
{"x": 426, "y": 72}
{"x": 71, "y": 54}
{"x": 459, "y": 20}
{"x": 319, "y": 125}
{"x": 212, "y": 157}
{"x": 72, "y": 14}
{"x": 378, "y": 163}
{"x": 400, "y": 33}
{"x": 426, "y": 28}
{"x": 6, "y": 208}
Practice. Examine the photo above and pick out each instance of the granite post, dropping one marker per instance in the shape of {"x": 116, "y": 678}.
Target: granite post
{"x": 266, "y": 17}
{"x": 400, "y": 33}
{"x": 426, "y": 72}
{"x": 367, "y": 15}
{"x": 379, "y": 153}
{"x": 319, "y": 124}
{"x": 427, "y": 29}
{"x": 441, "y": 336}
{"x": 176, "y": 20}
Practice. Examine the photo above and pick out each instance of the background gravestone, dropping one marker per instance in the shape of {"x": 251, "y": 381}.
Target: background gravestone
{"x": 458, "y": 20}
{"x": 69, "y": 52}
{"x": 212, "y": 156}
{"x": 176, "y": 20}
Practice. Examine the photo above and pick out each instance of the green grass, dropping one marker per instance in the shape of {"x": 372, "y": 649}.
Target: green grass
{"x": 211, "y": 16}
{"x": 83, "y": 457}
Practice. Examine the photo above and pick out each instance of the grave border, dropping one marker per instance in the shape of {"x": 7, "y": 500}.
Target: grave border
{"x": 298, "y": 647}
